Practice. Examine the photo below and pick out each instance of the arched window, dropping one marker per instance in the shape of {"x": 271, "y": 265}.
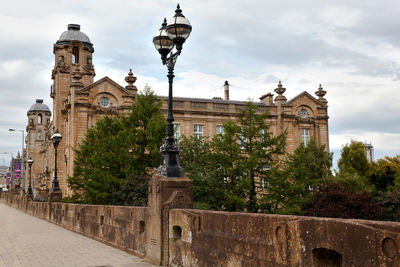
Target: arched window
{"x": 39, "y": 119}
{"x": 75, "y": 55}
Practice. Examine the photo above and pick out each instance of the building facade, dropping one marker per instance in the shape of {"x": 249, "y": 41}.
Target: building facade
{"x": 78, "y": 102}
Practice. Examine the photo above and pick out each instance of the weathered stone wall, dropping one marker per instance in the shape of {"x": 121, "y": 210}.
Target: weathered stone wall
{"x": 208, "y": 238}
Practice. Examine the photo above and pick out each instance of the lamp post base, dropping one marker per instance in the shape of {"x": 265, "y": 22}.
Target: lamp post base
{"x": 170, "y": 166}
{"x": 55, "y": 187}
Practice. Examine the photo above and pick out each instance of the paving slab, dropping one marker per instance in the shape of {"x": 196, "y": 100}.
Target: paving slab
{"x": 28, "y": 241}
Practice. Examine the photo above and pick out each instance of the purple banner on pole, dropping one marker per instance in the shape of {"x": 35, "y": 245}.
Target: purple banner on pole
{"x": 17, "y": 170}
{"x": 8, "y": 177}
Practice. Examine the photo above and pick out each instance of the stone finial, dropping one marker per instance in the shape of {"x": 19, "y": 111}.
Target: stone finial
{"x": 130, "y": 79}
{"x": 321, "y": 93}
{"x": 280, "y": 90}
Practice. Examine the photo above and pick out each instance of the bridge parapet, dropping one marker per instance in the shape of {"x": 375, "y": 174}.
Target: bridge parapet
{"x": 207, "y": 238}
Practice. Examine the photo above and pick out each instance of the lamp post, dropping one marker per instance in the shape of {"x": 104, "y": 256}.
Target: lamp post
{"x": 56, "y": 138}
{"x": 30, "y": 162}
{"x": 22, "y": 155}
{"x": 171, "y": 35}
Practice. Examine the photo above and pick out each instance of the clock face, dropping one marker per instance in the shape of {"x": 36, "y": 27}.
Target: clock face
{"x": 104, "y": 102}
{"x": 303, "y": 113}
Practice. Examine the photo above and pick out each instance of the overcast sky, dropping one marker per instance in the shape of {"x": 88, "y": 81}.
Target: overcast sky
{"x": 351, "y": 47}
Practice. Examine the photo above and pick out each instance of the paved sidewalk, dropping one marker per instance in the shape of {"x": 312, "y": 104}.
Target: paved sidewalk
{"x": 29, "y": 241}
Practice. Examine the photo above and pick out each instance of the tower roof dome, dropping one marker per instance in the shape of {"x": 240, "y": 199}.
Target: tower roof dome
{"x": 74, "y": 34}
{"x": 39, "y": 106}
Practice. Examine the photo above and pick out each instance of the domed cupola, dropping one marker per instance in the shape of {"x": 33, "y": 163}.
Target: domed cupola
{"x": 39, "y": 107}
{"x": 74, "y": 34}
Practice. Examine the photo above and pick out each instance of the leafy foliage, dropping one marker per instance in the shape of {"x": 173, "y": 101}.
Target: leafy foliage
{"x": 353, "y": 159}
{"x": 299, "y": 177}
{"x": 110, "y": 164}
{"x": 353, "y": 182}
{"x": 335, "y": 201}
{"x": 385, "y": 173}
{"x": 225, "y": 170}
{"x": 390, "y": 204}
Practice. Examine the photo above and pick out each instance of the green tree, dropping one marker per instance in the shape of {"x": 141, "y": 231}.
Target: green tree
{"x": 353, "y": 159}
{"x": 300, "y": 176}
{"x": 385, "y": 173}
{"x": 389, "y": 202}
{"x": 110, "y": 164}
{"x": 231, "y": 164}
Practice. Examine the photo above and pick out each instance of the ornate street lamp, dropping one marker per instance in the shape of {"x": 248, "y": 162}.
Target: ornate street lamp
{"x": 56, "y": 138}
{"x": 30, "y": 162}
{"x": 171, "y": 35}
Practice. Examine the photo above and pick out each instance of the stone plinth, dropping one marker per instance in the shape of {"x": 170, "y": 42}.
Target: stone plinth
{"x": 164, "y": 194}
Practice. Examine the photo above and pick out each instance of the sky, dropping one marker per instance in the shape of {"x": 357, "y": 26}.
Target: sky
{"x": 352, "y": 48}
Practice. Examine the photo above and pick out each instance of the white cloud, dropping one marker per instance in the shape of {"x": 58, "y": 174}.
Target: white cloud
{"x": 351, "y": 47}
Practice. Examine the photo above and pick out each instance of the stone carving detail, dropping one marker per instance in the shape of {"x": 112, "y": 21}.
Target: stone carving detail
{"x": 61, "y": 66}
{"x": 76, "y": 77}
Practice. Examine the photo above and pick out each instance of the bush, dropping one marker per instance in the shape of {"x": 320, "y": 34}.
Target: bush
{"x": 389, "y": 202}
{"x": 335, "y": 201}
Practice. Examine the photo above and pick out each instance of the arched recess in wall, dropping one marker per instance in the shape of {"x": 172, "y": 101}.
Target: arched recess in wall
{"x": 326, "y": 257}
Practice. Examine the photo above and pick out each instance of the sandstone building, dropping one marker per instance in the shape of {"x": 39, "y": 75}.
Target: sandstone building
{"x": 78, "y": 102}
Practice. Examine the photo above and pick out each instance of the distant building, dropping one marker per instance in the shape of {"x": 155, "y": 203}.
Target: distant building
{"x": 3, "y": 173}
{"x": 78, "y": 102}
{"x": 369, "y": 151}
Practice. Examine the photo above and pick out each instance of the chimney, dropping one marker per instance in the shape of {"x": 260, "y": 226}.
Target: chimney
{"x": 226, "y": 90}
{"x": 267, "y": 99}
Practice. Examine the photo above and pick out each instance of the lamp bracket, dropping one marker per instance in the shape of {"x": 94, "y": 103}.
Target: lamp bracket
{"x": 171, "y": 60}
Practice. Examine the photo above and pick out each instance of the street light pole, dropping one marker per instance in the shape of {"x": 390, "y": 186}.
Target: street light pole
{"x": 30, "y": 162}
{"x": 22, "y": 156}
{"x": 56, "y": 138}
{"x": 171, "y": 35}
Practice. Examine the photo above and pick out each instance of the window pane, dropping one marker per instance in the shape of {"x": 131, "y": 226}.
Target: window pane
{"x": 220, "y": 129}
{"x": 198, "y": 130}
{"x": 177, "y": 132}
{"x": 305, "y": 136}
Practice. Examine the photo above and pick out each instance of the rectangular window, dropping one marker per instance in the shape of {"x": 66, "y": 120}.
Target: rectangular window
{"x": 39, "y": 135}
{"x": 220, "y": 129}
{"x": 39, "y": 119}
{"x": 305, "y": 136}
{"x": 177, "y": 132}
{"x": 242, "y": 139}
{"x": 263, "y": 183}
{"x": 198, "y": 131}
{"x": 262, "y": 134}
